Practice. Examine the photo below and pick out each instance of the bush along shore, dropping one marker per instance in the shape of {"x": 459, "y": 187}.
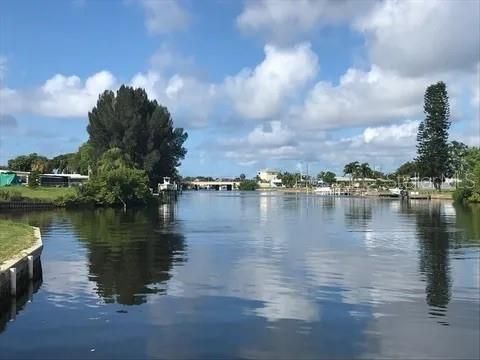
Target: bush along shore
{"x": 115, "y": 183}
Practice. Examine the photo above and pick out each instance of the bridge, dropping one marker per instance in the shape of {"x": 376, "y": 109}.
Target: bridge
{"x": 211, "y": 185}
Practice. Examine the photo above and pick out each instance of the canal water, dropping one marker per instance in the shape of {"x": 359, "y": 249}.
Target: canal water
{"x": 254, "y": 275}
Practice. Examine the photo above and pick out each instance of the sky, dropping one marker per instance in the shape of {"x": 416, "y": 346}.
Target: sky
{"x": 290, "y": 85}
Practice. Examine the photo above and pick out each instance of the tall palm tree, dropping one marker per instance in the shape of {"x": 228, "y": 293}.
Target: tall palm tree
{"x": 352, "y": 169}
{"x": 365, "y": 171}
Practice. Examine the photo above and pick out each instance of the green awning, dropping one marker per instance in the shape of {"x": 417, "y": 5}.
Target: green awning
{"x": 9, "y": 178}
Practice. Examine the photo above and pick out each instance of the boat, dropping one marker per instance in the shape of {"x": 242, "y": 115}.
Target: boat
{"x": 395, "y": 191}
{"x": 167, "y": 185}
{"x": 323, "y": 190}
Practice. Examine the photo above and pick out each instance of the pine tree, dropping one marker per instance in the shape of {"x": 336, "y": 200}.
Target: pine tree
{"x": 432, "y": 136}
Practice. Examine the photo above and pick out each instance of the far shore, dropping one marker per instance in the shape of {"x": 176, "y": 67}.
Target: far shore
{"x": 433, "y": 195}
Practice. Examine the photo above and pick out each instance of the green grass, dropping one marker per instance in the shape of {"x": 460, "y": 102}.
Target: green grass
{"x": 39, "y": 193}
{"x": 14, "y": 237}
{"x": 444, "y": 194}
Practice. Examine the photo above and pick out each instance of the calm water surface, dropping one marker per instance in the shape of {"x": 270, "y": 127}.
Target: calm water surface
{"x": 246, "y": 275}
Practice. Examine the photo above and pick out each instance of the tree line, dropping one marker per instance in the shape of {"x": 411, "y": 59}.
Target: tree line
{"x": 140, "y": 134}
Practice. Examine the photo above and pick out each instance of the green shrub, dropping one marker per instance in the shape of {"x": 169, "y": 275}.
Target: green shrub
{"x": 121, "y": 186}
{"x": 461, "y": 195}
{"x": 248, "y": 185}
{"x": 12, "y": 195}
{"x": 33, "y": 179}
{"x": 4, "y": 195}
{"x": 66, "y": 200}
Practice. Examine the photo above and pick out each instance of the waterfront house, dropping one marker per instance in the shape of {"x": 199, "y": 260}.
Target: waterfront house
{"x": 269, "y": 178}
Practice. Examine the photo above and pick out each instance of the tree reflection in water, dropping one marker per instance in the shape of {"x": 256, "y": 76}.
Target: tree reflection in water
{"x": 434, "y": 234}
{"x": 468, "y": 219}
{"x": 358, "y": 213}
{"x": 131, "y": 253}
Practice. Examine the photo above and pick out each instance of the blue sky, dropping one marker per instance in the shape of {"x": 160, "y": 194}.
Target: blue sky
{"x": 264, "y": 83}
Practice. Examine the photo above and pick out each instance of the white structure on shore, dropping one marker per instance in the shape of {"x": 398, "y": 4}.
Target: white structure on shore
{"x": 269, "y": 178}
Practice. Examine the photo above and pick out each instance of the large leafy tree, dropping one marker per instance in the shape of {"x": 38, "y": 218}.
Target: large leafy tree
{"x": 83, "y": 160}
{"x": 327, "y": 177}
{"x": 141, "y": 128}
{"x": 113, "y": 159}
{"x": 469, "y": 189}
{"x": 62, "y": 163}
{"x": 457, "y": 158}
{"x": 432, "y": 137}
{"x": 116, "y": 182}
{"x": 407, "y": 169}
{"x": 289, "y": 179}
{"x": 31, "y": 162}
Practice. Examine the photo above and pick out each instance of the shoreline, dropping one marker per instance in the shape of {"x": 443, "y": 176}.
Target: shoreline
{"x": 365, "y": 193}
{"x": 17, "y": 271}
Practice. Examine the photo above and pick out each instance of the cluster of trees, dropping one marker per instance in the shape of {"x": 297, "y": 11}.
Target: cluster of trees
{"x": 361, "y": 170}
{"x": 141, "y": 128}
{"x": 70, "y": 163}
{"x": 289, "y": 179}
{"x": 437, "y": 158}
{"x": 132, "y": 145}
{"x": 456, "y": 164}
{"x": 327, "y": 177}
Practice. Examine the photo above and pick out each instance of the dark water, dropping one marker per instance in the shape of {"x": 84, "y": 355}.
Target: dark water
{"x": 243, "y": 275}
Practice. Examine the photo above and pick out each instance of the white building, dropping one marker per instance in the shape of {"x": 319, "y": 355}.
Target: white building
{"x": 269, "y": 178}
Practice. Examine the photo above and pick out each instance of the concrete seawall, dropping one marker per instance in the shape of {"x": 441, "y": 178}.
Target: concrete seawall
{"x": 26, "y": 205}
{"x": 19, "y": 270}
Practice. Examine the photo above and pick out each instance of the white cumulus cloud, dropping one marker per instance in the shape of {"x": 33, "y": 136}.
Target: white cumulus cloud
{"x": 399, "y": 134}
{"x": 59, "y": 96}
{"x": 273, "y": 141}
{"x": 419, "y": 37}
{"x": 283, "y": 20}
{"x": 163, "y": 16}
{"x": 67, "y": 96}
{"x": 189, "y": 99}
{"x": 261, "y": 92}
{"x": 362, "y": 98}
{"x": 387, "y": 146}
{"x": 273, "y": 134}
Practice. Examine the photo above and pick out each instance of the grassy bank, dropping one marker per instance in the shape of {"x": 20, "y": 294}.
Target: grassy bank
{"x": 438, "y": 195}
{"x": 14, "y": 238}
{"x": 50, "y": 194}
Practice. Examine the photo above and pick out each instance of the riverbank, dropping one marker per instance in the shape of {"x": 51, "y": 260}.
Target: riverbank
{"x": 434, "y": 195}
{"x": 20, "y": 250}
{"x": 15, "y": 196}
{"x": 14, "y": 238}
{"x": 23, "y": 197}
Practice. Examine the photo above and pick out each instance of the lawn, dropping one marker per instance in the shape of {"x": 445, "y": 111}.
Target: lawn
{"x": 14, "y": 237}
{"x": 39, "y": 193}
